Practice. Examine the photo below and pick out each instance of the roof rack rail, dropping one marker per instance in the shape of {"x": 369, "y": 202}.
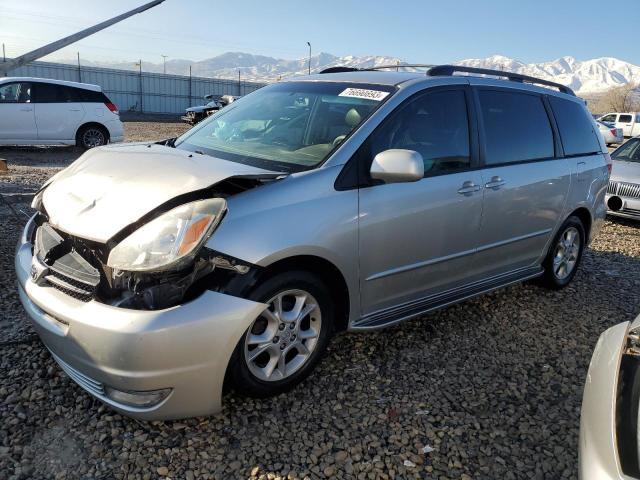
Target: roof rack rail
{"x": 401, "y": 65}
{"x": 339, "y": 69}
{"x": 449, "y": 70}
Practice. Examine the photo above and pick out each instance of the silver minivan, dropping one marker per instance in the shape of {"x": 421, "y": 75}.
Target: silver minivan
{"x": 157, "y": 273}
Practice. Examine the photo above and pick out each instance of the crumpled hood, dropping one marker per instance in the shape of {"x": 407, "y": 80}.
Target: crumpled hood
{"x": 109, "y": 188}
{"x": 622, "y": 171}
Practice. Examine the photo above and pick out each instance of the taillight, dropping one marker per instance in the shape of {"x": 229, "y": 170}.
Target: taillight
{"x": 112, "y": 107}
{"x": 607, "y": 158}
{"x": 614, "y": 132}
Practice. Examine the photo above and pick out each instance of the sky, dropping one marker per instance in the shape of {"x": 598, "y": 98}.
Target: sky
{"x": 417, "y": 31}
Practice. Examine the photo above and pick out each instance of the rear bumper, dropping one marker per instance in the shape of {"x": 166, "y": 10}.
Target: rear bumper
{"x": 598, "y": 455}
{"x": 185, "y": 348}
{"x": 116, "y": 130}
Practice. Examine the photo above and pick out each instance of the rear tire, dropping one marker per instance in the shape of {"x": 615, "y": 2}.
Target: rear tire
{"x": 283, "y": 345}
{"x": 91, "y": 136}
{"x": 564, "y": 255}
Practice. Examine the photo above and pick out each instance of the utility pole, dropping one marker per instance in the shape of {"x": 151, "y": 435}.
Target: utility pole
{"x": 4, "y": 56}
{"x": 190, "y": 95}
{"x": 309, "y": 57}
{"x": 164, "y": 64}
{"x": 239, "y": 89}
{"x": 139, "y": 65}
{"x": 79, "y": 71}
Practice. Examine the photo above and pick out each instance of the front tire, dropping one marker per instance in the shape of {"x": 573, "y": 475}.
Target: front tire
{"x": 283, "y": 345}
{"x": 564, "y": 255}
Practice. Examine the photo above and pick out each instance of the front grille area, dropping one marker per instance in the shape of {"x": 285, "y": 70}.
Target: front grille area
{"x": 89, "y": 384}
{"x": 631, "y": 211}
{"x": 66, "y": 268}
{"x": 72, "y": 287}
{"x": 624, "y": 189}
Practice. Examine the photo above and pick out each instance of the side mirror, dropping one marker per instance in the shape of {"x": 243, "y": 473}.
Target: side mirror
{"x": 396, "y": 166}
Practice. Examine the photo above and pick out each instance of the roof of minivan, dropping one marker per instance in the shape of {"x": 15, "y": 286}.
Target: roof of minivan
{"x": 364, "y": 76}
{"x": 86, "y": 86}
{"x": 391, "y": 78}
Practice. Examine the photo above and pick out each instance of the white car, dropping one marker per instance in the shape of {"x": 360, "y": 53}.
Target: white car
{"x": 610, "y": 133}
{"x": 38, "y": 111}
{"x": 609, "y": 433}
{"x": 629, "y": 122}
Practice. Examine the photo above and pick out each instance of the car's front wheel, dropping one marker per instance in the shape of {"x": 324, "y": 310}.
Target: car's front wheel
{"x": 564, "y": 255}
{"x": 283, "y": 345}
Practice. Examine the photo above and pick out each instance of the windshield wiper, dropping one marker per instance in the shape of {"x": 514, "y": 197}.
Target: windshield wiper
{"x": 169, "y": 142}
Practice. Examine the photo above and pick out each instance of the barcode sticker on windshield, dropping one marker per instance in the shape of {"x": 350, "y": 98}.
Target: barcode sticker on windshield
{"x": 376, "y": 95}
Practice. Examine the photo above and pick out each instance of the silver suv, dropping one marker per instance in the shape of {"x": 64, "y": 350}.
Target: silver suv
{"x": 352, "y": 200}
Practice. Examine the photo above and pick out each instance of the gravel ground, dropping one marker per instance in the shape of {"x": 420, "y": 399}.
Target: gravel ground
{"x": 490, "y": 388}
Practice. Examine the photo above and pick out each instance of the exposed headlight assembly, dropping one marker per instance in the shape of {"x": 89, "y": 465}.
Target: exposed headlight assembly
{"x": 170, "y": 238}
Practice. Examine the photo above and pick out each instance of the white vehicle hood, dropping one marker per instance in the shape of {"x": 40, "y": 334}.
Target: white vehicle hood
{"x": 111, "y": 187}
{"x": 625, "y": 171}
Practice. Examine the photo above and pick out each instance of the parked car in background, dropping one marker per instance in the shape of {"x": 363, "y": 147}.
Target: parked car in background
{"x": 39, "y": 111}
{"x": 224, "y": 101}
{"x": 623, "y": 192}
{"x": 610, "y": 133}
{"x": 331, "y": 202}
{"x": 195, "y": 114}
{"x": 629, "y": 122}
{"x": 609, "y": 427}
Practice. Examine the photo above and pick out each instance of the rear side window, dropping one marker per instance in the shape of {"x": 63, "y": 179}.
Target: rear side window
{"x": 85, "y": 96}
{"x": 49, "y": 93}
{"x": 516, "y": 127}
{"x": 625, "y": 118}
{"x": 576, "y": 128}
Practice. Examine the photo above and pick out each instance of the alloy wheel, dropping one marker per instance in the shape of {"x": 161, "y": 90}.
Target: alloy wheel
{"x": 93, "y": 138}
{"x": 281, "y": 340}
{"x": 566, "y": 253}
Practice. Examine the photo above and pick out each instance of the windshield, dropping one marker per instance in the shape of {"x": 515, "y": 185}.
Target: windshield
{"x": 289, "y": 126}
{"x": 629, "y": 152}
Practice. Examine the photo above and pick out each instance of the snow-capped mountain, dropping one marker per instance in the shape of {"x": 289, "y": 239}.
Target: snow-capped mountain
{"x": 585, "y": 77}
{"x": 258, "y": 68}
{"x": 589, "y": 76}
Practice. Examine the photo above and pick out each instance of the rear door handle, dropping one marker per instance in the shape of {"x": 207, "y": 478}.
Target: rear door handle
{"x": 74, "y": 109}
{"x": 495, "y": 183}
{"x": 468, "y": 188}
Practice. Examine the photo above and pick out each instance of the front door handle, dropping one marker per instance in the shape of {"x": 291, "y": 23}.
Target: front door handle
{"x": 495, "y": 183}
{"x": 468, "y": 188}
{"x": 26, "y": 109}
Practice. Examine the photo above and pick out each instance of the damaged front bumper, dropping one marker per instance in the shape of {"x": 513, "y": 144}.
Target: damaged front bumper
{"x": 147, "y": 364}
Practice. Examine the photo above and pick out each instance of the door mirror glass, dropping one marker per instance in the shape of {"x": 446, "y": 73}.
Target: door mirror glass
{"x": 397, "y": 165}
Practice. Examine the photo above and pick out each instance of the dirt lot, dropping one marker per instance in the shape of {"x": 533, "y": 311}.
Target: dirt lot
{"x": 490, "y": 388}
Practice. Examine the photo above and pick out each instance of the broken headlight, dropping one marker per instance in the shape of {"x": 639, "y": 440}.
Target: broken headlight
{"x": 168, "y": 239}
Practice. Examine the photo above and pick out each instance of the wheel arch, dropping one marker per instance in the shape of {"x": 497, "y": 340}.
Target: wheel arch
{"x": 92, "y": 124}
{"x": 585, "y": 217}
{"x": 331, "y": 275}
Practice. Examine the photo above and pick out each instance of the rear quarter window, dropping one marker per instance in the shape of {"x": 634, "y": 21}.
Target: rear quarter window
{"x": 87, "y": 96}
{"x": 576, "y": 128}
